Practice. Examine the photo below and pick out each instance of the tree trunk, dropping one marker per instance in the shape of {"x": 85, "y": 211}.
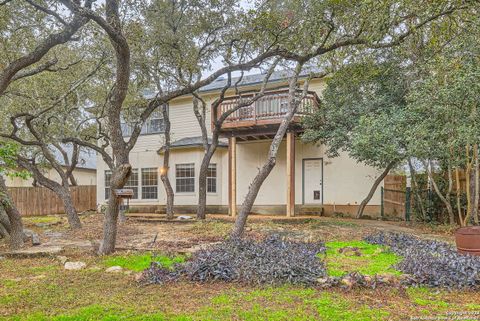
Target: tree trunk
{"x": 272, "y": 155}
{"x": 441, "y": 196}
{"x": 476, "y": 197}
{"x": 62, "y": 190}
{"x": 374, "y": 187}
{"x": 458, "y": 197}
{"x": 16, "y": 225}
{"x": 202, "y": 179}
{"x": 451, "y": 215}
{"x": 4, "y": 224}
{"x": 416, "y": 189}
{"x": 119, "y": 178}
{"x": 166, "y": 167}
{"x": 72, "y": 216}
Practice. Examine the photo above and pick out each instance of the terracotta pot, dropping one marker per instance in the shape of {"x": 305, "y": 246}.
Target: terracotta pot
{"x": 468, "y": 240}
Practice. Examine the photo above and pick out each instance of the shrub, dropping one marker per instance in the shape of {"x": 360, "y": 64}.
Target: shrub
{"x": 431, "y": 262}
{"x": 270, "y": 261}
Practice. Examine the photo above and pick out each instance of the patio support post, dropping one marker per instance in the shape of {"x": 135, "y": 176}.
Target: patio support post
{"x": 290, "y": 174}
{"x": 232, "y": 176}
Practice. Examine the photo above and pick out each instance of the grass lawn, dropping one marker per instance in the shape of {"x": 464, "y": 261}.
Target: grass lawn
{"x": 40, "y": 288}
{"x": 373, "y": 259}
{"x": 140, "y": 262}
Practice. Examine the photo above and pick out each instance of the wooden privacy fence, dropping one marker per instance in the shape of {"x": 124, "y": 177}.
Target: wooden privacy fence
{"x": 32, "y": 201}
{"x": 394, "y": 195}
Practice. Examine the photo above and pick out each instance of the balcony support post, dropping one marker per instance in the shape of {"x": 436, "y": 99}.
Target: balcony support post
{"x": 290, "y": 174}
{"x": 232, "y": 176}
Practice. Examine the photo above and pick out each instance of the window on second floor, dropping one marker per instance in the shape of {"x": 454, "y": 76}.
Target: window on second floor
{"x": 154, "y": 124}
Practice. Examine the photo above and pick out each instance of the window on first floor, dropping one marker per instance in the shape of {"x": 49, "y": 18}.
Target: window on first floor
{"x": 149, "y": 183}
{"x": 108, "y": 179}
{"x": 212, "y": 178}
{"x": 185, "y": 178}
{"x": 132, "y": 183}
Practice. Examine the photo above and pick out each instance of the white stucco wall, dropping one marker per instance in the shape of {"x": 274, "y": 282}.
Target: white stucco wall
{"x": 345, "y": 182}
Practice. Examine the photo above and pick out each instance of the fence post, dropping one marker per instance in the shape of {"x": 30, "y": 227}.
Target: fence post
{"x": 382, "y": 209}
{"x": 408, "y": 191}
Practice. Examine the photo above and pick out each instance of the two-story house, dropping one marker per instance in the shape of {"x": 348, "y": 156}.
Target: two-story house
{"x": 304, "y": 180}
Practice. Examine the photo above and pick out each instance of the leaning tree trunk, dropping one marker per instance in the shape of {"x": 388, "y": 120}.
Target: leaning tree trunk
{"x": 62, "y": 190}
{"x": 443, "y": 198}
{"x": 66, "y": 196}
{"x": 267, "y": 167}
{"x": 374, "y": 187}
{"x": 119, "y": 178}
{"x": 261, "y": 176}
{"x": 202, "y": 180}
{"x": 166, "y": 166}
{"x": 15, "y": 220}
{"x": 4, "y": 224}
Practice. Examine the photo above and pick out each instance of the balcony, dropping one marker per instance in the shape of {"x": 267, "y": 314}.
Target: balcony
{"x": 265, "y": 114}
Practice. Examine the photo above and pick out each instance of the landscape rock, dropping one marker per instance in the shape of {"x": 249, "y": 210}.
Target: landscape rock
{"x": 139, "y": 277}
{"x": 184, "y": 217}
{"x": 62, "y": 259}
{"x": 37, "y": 251}
{"x": 350, "y": 251}
{"x": 75, "y": 266}
{"x": 114, "y": 269}
{"x": 35, "y": 239}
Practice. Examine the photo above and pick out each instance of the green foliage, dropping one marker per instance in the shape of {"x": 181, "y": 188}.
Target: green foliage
{"x": 8, "y": 165}
{"x": 140, "y": 262}
{"x": 374, "y": 259}
{"x": 362, "y": 114}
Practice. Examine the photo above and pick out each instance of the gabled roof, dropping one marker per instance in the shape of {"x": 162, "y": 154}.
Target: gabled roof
{"x": 189, "y": 142}
{"x": 87, "y": 159}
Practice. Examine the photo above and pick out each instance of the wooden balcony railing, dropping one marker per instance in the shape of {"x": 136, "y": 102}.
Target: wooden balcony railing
{"x": 269, "y": 109}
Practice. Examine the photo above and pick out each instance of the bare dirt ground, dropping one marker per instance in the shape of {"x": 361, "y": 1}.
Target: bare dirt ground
{"x": 142, "y": 232}
{"x": 38, "y": 288}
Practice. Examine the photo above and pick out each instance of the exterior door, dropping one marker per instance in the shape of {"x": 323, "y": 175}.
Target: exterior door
{"x": 313, "y": 181}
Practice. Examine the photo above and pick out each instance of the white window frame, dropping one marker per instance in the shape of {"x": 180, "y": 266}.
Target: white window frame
{"x": 149, "y": 170}
{"x": 184, "y": 178}
{"x": 214, "y": 179}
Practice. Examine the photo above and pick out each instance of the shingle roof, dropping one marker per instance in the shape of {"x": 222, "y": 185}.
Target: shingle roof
{"x": 247, "y": 80}
{"x": 192, "y": 142}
